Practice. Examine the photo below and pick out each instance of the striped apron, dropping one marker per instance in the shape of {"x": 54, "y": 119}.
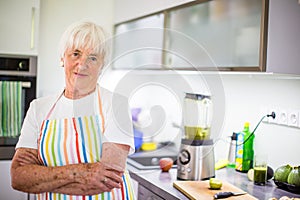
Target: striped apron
{"x": 76, "y": 140}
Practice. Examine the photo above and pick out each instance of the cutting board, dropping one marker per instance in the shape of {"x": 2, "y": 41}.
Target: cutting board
{"x": 196, "y": 190}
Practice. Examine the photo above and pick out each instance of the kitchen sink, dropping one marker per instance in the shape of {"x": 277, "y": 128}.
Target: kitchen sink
{"x": 150, "y": 159}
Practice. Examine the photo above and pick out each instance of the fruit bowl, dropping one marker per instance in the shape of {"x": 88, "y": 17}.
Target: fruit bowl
{"x": 287, "y": 187}
{"x": 293, "y": 188}
{"x": 281, "y": 185}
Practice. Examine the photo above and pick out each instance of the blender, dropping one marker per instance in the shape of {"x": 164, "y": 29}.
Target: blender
{"x": 196, "y": 159}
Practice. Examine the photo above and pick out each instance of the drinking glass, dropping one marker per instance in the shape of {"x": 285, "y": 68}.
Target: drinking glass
{"x": 260, "y": 169}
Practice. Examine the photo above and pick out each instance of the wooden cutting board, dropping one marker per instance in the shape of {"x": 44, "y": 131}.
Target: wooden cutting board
{"x": 195, "y": 190}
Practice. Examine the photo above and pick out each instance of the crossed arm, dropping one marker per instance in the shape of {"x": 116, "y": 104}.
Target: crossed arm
{"x": 29, "y": 175}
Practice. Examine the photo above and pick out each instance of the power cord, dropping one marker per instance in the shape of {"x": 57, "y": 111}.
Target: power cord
{"x": 273, "y": 115}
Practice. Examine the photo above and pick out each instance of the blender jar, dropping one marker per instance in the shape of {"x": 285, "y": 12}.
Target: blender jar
{"x": 197, "y": 116}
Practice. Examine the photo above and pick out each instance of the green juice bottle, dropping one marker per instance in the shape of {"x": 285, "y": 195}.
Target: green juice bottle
{"x": 244, "y": 150}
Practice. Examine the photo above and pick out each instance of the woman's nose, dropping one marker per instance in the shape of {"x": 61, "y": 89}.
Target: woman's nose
{"x": 82, "y": 61}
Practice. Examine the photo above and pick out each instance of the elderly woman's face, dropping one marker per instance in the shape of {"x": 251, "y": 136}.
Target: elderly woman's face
{"x": 82, "y": 68}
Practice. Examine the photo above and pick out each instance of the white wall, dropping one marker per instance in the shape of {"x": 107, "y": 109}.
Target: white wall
{"x": 55, "y": 16}
{"x": 247, "y": 97}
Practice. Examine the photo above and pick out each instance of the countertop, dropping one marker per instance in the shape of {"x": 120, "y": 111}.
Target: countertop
{"x": 161, "y": 183}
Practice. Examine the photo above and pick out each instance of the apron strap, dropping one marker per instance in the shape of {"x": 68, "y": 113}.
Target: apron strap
{"x": 101, "y": 110}
{"x": 99, "y": 103}
{"x": 52, "y": 108}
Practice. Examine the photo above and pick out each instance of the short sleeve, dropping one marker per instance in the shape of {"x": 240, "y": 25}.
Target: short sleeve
{"x": 118, "y": 122}
{"x": 30, "y": 129}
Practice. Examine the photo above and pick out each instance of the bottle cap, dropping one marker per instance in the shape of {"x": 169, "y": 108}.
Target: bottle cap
{"x": 247, "y": 124}
{"x": 234, "y": 136}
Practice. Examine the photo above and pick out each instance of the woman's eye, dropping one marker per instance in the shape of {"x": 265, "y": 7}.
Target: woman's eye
{"x": 93, "y": 59}
{"x": 75, "y": 54}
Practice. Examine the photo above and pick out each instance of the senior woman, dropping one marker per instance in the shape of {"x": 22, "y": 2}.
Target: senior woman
{"x": 74, "y": 145}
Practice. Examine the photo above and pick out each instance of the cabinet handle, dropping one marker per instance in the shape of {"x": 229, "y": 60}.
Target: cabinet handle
{"x": 32, "y": 28}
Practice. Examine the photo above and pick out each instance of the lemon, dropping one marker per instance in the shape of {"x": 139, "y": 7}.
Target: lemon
{"x": 250, "y": 174}
{"x": 215, "y": 184}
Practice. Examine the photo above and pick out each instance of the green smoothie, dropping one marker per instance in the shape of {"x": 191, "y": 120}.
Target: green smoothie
{"x": 260, "y": 175}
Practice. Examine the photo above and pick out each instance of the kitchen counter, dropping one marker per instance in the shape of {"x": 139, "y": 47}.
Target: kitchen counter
{"x": 161, "y": 183}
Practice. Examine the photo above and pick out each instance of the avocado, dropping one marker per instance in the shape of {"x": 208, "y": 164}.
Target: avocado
{"x": 270, "y": 173}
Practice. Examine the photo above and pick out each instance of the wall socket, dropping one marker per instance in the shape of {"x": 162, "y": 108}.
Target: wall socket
{"x": 293, "y": 118}
{"x": 282, "y": 117}
{"x": 286, "y": 117}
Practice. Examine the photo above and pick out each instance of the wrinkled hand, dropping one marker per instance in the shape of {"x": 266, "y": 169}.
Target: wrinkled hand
{"x": 100, "y": 177}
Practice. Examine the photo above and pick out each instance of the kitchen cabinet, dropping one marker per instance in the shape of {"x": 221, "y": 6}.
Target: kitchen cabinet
{"x": 19, "y": 22}
{"x": 233, "y": 35}
{"x": 124, "y": 9}
{"x": 129, "y": 53}
{"x": 283, "y": 37}
{"x": 6, "y": 191}
{"x": 215, "y": 35}
{"x": 144, "y": 193}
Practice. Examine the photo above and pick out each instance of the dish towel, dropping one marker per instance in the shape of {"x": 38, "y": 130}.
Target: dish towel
{"x": 10, "y": 108}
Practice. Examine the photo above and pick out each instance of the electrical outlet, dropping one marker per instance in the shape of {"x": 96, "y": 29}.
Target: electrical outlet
{"x": 293, "y": 118}
{"x": 283, "y": 117}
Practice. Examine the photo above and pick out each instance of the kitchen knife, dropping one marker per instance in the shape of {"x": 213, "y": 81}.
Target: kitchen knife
{"x": 222, "y": 195}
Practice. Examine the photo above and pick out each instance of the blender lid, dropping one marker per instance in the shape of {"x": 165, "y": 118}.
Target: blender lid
{"x": 197, "y": 142}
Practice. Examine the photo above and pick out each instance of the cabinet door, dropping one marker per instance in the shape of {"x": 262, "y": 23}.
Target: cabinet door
{"x": 284, "y": 37}
{"x": 138, "y": 44}
{"x": 144, "y": 193}
{"x": 6, "y": 191}
{"x": 19, "y": 26}
{"x": 124, "y": 9}
{"x": 215, "y": 34}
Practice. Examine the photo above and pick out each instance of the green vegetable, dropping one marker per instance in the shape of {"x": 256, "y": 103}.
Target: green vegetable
{"x": 215, "y": 184}
{"x": 282, "y": 173}
{"x": 294, "y": 176}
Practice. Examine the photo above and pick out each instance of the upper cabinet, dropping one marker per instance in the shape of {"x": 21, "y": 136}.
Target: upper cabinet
{"x": 19, "y": 20}
{"x": 222, "y": 35}
{"x": 283, "y": 48}
{"x": 214, "y": 35}
{"x": 139, "y": 43}
{"x": 124, "y": 9}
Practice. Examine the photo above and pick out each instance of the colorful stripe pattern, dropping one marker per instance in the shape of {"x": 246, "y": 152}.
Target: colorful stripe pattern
{"x": 10, "y": 108}
{"x": 76, "y": 140}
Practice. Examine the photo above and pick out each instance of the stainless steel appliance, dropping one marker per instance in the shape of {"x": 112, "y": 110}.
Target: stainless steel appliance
{"x": 196, "y": 159}
{"x": 22, "y": 69}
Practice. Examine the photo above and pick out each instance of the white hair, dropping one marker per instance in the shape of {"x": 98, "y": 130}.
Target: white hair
{"x": 85, "y": 34}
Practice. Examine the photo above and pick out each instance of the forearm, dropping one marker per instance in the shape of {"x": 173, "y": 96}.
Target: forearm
{"x": 37, "y": 179}
{"x": 77, "y": 189}
{"x": 29, "y": 175}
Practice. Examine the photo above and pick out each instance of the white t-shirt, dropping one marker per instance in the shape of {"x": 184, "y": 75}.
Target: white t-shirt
{"x": 118, "y": 124}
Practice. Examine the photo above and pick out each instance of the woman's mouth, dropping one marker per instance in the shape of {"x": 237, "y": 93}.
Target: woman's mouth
{"x": 77, "y": 74}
